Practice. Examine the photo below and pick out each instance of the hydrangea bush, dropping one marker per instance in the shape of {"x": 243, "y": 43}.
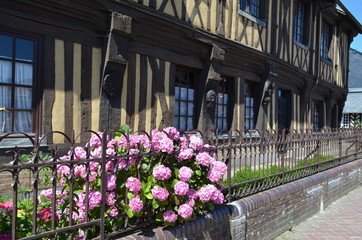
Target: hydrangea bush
{"x": 163, "y": 176}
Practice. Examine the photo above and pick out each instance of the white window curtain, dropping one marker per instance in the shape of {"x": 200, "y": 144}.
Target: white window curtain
{"x": 5, "y": 95}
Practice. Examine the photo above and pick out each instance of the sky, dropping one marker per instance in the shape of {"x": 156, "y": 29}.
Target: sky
{"x": 355, "y": 7}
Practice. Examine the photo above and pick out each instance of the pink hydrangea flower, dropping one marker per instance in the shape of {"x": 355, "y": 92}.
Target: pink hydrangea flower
{"x": 207, "y": 193}
{"x": 185, "y": 173}
{"x": 217, "y": 171}
{"x": 112, "y": 144}
{"x": 95, "y": 199}
{"x": 136, "y": 204}
{"x": 95, "y": 140}
{"x": 45, "y": 214}
{"x": 122, "y": 163}
{"x": 161, "y": 172}
{"x": 160, "y": 193}
{"x": 172, "y": 133}
{"x": 133, "y": 184}
{"x": 196, "y": 143}
{"x": 109, "y": 166}
{"x": 96, "y": 153}
{"x": 192, "y": 193}
{"x": 111, "y": 198}
{"x": 79, "y": 153}
{"x": 170, "y": 216}
{"x": 113, "y": 212}
{"x": 166, "y": 145}
{"x": 80, "y": 171}
{"x": 110, "y": 152}
{"x": 220, "y": 167}
{"x": 185, "y": 211}
{"x": 181, "y": 188}
{"x": 204, "y": 159}
{"x": 219, "y": 198}
{"x": 186, "y": 154}
{"x": 133, "y": 160}
{"x": 183, "y": 143}
{"x": 190, "y": 202}
{"x": 111, "y": 182}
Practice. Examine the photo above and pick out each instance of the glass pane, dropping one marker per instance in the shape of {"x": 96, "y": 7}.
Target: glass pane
{"x": 225, "y": 124}
{"x": 220, "y": 111}
{"x": 176, "y": 123}
{"x": 22, "y": 122}
{"x": 183, "y": 123}
{"x": 224, "y": 111}
{"x": 183, "y": 110}
{"x": 23, "y": 98}
{"x": 4, "y": 122}
{"x": 177, "y": 109}
{"x": 24, "y": 49}
{"x": 183, "y": 93}
{"x": 190, "y": 125}
{"x": 5, "y": 96}
{"x": 190, "y": 109}
{"x": 6, "y": 46}
{"x": 5, "y": 72}
{"x": 191, "y": 94}
{"x": 226, "y": 97}
{"x": 177, "y": 92}
{"x": 24, "y": 74}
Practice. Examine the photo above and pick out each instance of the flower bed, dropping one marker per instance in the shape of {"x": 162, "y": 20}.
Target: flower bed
{"x": 162, "y": 176}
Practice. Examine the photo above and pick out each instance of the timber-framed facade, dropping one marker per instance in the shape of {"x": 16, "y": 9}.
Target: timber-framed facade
{"x": 193, "y": 64}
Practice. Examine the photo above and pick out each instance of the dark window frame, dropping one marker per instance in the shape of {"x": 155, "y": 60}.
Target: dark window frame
{"x": 188, "y": 84}
{"x": 224, "y": 100}
{"x": 249, "y": 107}
{"x": 36, "y": 81}
{"x": 326, "y": 38}
{"x": 316, "y": 114}
{"x": 300, "y": 23}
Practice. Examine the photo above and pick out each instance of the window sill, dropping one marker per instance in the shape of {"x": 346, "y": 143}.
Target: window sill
{"x": 328, "y": 61}
{"x": 252, "y": 18}
{"x": 301, "y": 45}
{"x": 19, "y": 140}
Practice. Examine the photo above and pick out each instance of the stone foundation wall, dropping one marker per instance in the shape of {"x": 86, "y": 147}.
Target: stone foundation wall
{"x": 266, "y": 215}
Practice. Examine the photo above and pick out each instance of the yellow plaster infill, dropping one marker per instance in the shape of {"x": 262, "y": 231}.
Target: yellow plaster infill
{"x": 58, "y": 111}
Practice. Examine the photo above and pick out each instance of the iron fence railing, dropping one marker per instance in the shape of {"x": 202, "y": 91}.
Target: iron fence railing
{"x": 256, "y": 161}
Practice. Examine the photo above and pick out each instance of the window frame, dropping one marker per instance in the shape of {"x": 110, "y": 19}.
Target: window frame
{"x": 326, "y": 39}
{"x": 300, "y": 34}
{"x": 36, "y": 82}
{"x": 226, "y": 90}
{"x": 244, "y": 9}
{"x": 316, "y": 121}
{"x": 252, "y": 95}
{"x": 177, "y": 115}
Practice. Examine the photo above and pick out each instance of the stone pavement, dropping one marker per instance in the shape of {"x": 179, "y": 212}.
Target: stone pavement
{"x": 339, "y": 221}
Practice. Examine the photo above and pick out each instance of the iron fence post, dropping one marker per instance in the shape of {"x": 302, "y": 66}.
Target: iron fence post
{"x": 103, "y": 186}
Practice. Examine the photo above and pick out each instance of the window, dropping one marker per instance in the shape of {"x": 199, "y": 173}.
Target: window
{"x": 17, "y": 83}
{"x": 284, "y": 109}
{"x": 253, "y": 7}
{"x": 316, "y": 114}
{"x": 222, "y": 104}
{"x": 300, "y": 26}
{"x": 345, "y": 120}
{"x": 185, "y": 99}
{"x": 326, "y": 38}
{"x": 249, "y": 97}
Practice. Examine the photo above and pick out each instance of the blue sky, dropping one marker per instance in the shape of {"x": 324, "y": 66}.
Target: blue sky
{"x": 355, "y": 7}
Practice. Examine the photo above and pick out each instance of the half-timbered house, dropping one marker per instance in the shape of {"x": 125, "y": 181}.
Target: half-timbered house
{"x": 193, "y": 64}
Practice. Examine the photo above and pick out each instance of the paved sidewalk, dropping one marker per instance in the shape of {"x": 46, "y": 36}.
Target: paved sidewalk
{"x": 341, "y": 220}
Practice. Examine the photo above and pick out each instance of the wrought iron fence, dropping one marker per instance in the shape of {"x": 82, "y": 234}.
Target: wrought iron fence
{"x": 256, "y": 161}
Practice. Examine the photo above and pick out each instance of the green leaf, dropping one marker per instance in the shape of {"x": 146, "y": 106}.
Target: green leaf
{"x": 130, "y": 214}
{"x": 149, "y": 196}
{"x": 198, "y": 172}
{"x": 125, "y": 129}
{"x": 174, "y": 182}
{"x": 144, "y": 166}
{"x": 155, "y": 204}
{"x": 130, "y": 195}
{"x": 159, "y": 217}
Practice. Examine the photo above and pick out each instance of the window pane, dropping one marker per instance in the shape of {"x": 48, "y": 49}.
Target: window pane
{"x": 23, "y": 98}
{"x": 6, "y": 46}
{"x": 177, "y": 109}
{"x": 177, "y": 92}
{"x": 183, "y": 94}
{"x": 24, "y": 50}
{"x": 190, "y": 109}
{"x": 191, "y": 94}
{"x": 4, "y": 122}
{"x": 5, "y": 96}
{"x": 183, "y": 110}
{"x": 190, "y": 125}
{"x": 22, "y": 121}
{"x": 183, "y": 123}
{"x": 5, "y": 72}
{"x": 24, "y": 74}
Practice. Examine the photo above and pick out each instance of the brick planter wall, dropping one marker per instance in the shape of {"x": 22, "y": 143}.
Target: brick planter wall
{"x": 267, "y": 214}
